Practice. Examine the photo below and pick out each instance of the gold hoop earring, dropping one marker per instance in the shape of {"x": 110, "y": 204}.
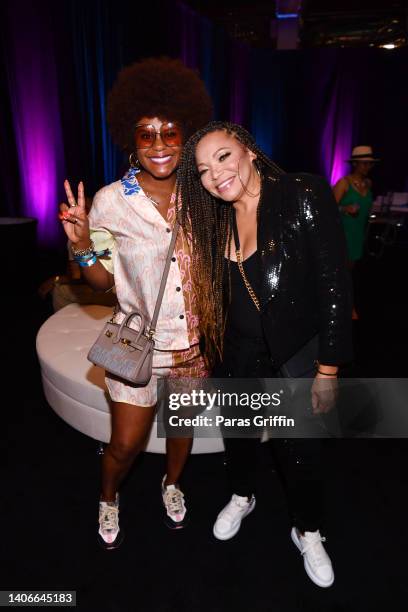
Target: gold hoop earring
{"x": 252, "y": 195}
{"x": 132, "y": 163}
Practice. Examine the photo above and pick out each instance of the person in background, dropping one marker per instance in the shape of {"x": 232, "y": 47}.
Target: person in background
{"x": 354, "y": 196}
{"x": 275, "y": 279}
{"x": 71, "y": 288}
{"x": 153, "y": 107}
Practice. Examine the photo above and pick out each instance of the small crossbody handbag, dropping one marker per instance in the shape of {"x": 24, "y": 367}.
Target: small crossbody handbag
{"x": 127, "y": 352}
{"x": 303, "y": 362}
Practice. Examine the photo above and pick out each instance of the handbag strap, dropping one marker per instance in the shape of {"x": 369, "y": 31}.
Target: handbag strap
{"x": 239, "y": 262}
{"x": 163, "y": 282}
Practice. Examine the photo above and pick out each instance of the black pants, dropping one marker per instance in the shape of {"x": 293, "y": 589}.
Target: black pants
{"x": 299, "y": 459}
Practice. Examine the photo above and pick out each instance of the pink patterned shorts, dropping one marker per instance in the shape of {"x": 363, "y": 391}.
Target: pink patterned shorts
{"x": 187, "y": 363}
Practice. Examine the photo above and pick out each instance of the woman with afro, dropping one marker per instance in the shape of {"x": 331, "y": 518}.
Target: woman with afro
{"x": 154, "y": 106}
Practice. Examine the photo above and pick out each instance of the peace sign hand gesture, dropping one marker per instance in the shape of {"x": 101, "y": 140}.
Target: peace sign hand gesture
{"x": 74, "y": 218}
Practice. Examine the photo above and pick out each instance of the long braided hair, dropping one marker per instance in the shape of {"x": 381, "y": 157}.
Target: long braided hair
{"x": 207, "y": 223}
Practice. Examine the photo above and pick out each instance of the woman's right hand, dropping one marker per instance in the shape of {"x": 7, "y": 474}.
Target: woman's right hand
{"x": 74, "y": 218}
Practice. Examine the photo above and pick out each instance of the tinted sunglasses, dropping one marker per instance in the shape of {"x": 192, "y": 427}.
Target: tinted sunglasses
{"x": 171, "y": 135}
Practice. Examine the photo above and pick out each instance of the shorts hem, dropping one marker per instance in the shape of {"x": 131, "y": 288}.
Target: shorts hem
{"x": 125, "y": 401}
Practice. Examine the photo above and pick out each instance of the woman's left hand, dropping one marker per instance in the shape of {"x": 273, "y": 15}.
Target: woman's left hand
{"x": 324, "y": 393}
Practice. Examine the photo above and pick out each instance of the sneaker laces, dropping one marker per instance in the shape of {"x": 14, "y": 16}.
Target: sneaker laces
{"x": 233, "y": 508}
{"x": 109, "y": 518}
{"x": 313, "y": 541}
{"x": 173, "y": 500}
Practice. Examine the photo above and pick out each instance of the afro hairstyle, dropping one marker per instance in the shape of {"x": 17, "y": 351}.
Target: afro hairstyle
{"x": 156, "y": 87}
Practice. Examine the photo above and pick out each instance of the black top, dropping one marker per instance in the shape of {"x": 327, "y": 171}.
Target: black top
{"x": 243, "y": 318}
{"x": 246, "y": 353}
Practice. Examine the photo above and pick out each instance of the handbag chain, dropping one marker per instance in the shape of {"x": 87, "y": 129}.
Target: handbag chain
{"x": 246, "y": 281}
{"x": 238, "y": 254}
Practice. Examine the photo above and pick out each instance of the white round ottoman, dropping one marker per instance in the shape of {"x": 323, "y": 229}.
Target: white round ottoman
{"x": 74, "y": 387}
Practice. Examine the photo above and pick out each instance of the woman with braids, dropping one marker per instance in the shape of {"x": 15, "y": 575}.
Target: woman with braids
{"x": 274, "y": 280}
{"x": 153, "y": 107}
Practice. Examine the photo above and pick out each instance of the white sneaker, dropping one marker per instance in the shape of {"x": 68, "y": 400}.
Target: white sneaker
{"x": 110, "y": 536}
{"x": 229, "y": 519}
{"x": 173, "y": 500}
{"x": 316, "y": 560}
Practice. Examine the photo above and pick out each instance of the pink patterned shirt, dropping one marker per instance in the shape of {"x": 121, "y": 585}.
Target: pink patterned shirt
{"x": 125, "y": 220}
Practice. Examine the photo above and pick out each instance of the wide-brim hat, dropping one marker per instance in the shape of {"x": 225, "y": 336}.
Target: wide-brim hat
{"x": 362, "y": 153}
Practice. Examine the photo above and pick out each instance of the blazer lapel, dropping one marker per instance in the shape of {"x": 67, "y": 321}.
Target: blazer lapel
{"x": 268, "y": 238}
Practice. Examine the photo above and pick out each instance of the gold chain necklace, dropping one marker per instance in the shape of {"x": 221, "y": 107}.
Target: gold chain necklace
{"x": 151, "y": 198}
{"x": 147, "y": 194}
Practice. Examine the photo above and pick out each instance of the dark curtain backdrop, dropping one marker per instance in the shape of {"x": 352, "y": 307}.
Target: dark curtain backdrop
{"x": 59, "y": 60}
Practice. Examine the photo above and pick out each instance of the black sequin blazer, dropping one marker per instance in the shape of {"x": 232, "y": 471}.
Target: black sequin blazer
{"x": 306, "y": 285}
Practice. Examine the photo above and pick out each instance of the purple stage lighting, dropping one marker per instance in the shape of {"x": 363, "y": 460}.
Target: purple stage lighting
{"x": 32, "y": 76}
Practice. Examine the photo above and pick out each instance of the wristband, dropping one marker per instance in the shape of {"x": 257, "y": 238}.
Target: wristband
{"x": 87, "y": 262}
{"x": 89, "y": 259}
{"x": 326, "y": 373}
{"x": 103, "y": 253}
{"x": 83, "y": 258}
{"x": 317, "y": 366}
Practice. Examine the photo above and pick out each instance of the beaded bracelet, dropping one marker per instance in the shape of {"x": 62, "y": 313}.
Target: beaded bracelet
{"x": 89, "y": 259}
{"x": 81, "y": 252}
{"x": 79, "y": 258}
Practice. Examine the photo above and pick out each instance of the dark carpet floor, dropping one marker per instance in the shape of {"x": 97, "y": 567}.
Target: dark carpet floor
{"x": 50, "y": 486}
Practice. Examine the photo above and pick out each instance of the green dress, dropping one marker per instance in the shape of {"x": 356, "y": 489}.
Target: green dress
{"x": 355, "y": 227}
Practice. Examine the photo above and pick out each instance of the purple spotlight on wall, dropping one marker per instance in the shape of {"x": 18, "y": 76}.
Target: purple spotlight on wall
{"x": 32, "y": 78}
{"x": 336, "y": 146}
{"x": 337, "y": 134}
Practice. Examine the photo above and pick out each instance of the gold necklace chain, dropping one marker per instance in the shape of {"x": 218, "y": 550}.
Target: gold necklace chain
{"x": 246, "y": 281}
{"x": 153, "y": 201}
{"x": 147, "y": 194}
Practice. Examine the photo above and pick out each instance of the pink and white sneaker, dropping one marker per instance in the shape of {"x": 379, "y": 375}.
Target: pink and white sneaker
{"x": 110, "y": 536}
{"x": 173, "y": 500}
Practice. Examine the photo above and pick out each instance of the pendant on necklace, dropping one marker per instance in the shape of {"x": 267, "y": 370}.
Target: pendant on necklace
{"x": 149, "y": 197}
{"x": 147, "y": 194}
{"x": 153, "y": 201}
